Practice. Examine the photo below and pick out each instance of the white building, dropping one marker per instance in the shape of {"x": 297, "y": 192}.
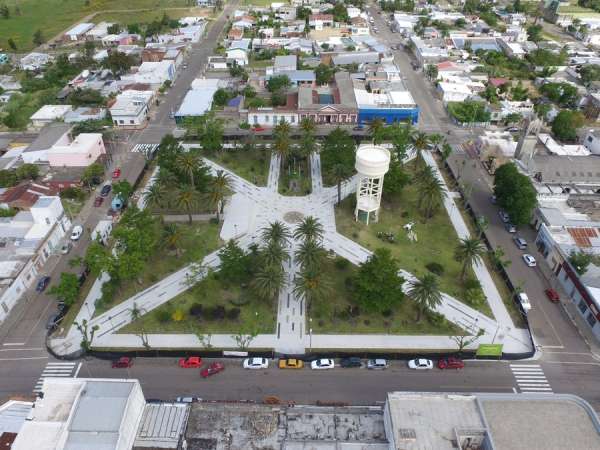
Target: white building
{"x": 270, "y": 117}
{"x": 238, "y": 51}
{"x": 78, "y": 31}
{"x": 29, "y": 239}
{"x": 131, "y": 109}
{"x": 48, "y": 114}
{"x": 199, "y": 98}
{"x": 99, "y": 31}
{"x": 591, "y": 141}
{"x": 34, "y": 61}
{"x": 453, "y": 92}
{"x": 427, "y": 54}
{"x": 152, "y": 73}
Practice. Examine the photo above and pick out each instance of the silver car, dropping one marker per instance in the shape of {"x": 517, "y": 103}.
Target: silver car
{"x": 377, "y": 364}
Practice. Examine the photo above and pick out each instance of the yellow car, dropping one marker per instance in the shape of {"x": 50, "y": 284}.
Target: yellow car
{"x": 291, "y": 364}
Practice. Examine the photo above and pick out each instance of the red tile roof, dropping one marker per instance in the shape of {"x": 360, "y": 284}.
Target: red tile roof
{"x": 497, "y": 82}
{"x": 582, "y": 236}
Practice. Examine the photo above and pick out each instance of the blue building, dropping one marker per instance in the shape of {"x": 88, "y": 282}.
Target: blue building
{"x": 387, "y": 104}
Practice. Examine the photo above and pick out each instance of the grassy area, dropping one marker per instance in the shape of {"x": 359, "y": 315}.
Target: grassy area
{"x": 259, "y": 3}
{"x": 198, "y": 240}
{"x": 211, "y": 292}
{"x": 260, "y": 64}
{"x": 295, "y": 179}
{"x": 436, "y": 239}
{"x": 73, "y": 207}
{"x": 147, "y": 16}
{"x": 332, "y": 315}
{"x": 69, "y": 317}
{"x": 253, "y": 165}
{"x": 55, "y": 16}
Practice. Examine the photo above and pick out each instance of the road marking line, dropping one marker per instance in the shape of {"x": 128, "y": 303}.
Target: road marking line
{"x": 525, "y": 365}
{"x": 524, "y": 385}
{"x": 13, "y": 343}
{"x": 77, "y": 371}
{"x": 19, "y": 349}
{"x": 61, "y": 364}
{"x": 536, "y": 389}
{"x": 530, "y": 378}
{"x": 25, "y": 358}
{"x": 573, "y": 362}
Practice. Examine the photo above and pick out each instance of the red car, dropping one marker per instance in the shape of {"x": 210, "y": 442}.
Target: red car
{"x": 552, "y": 295}
{"x": 450, "y": 363}
{"x": 257, "y": 129}
{"x": 116, "y": 173}
{"x": 98, "y": 201}
{"x": 214, "y": 368}
{"x": 192, "y": 362}
{"x": 123, "y": 362}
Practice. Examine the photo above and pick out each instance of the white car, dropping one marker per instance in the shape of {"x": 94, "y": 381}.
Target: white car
{"x": 420, "y": 364}
{"x": 377, "y": 364}
{"x": 529, "y": 260}
{"x": 523, "y": 300}
{"x": 322, "y": 364}
{"x": 76, "y": 233}
{"x": 256, "y": 363}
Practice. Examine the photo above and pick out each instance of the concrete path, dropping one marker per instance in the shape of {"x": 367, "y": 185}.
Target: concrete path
{"x": 315, "y": 173}
{"x": 274, "y": 170}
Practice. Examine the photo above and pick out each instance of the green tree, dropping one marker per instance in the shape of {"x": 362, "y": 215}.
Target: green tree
{"x": 188, "y": 163}
{"x": 4, "y": 12}
{"x": 173, "y": 237}
{"x": 187, "y": 199}
{"x": 337, "y": 157}
{"x": 564, "y": 94}
{"x": 92, "y": 173}
{"x": 515, "y": 193}
{"x": 431, "y": 191}
{"x": 86, "y": 97}
{"x": 566, "y": 123}
{"x": 590, "y": 73}
{"x": 219, "y": 188}
{"x": 580, "y": 261}
{"x": 268, "y": 281}
{"x": 534, "y": 33}
{"x": 377, "y": 285}
{"x": 324, "y": 74}
{"x": 282, "y": 142}
{"x": 377, "y": 130}
{"x": 277, "y": 233}
{"x": 38, "y": 38}
{"x": 313, "y": 286}
{"x": 118, "y": 62}
{"x": 234, "y": 263}
{"x": 12, "y": 44}
{"x": 431, "y": 71}
{"x": 122, "y": 189}
{"x": 420, "y": 144}
{"x": 425, "y": 292}
{"x": 222, "y": 96}
{"x": 468, "y": 252}
{"x": 67, "y": 289}
{"x": 155, "y": 196}
{"x": 311, "y": 256}
{"x": 395, "y": 179}
{"x": 310, "y": 229}
{"x": 27, "y": 172}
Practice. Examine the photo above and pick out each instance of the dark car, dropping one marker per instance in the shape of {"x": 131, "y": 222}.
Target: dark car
{"x": 352, "y": 361}
{"x": 105, "y": 190}
{"x": 53, "y": 321}
{"x": 98, "y": 201}
{"x": 42, "y": 284}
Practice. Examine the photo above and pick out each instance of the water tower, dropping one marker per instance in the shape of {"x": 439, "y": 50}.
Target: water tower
{"x": 372, "y": 163}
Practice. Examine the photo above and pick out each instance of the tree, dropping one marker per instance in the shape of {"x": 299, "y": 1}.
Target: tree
{"x": 377, "y": 130}
{"x": 420, "y": 144}
{"x": 312, "y": 285}
{"x": 324, "y": 74}
{"x": 310, "y": 229}
{"x": 222, "y": 96}
{"x": 219, "y": 188}
{"x": 89, "y": 48}
{"x": 12, "y": 44}
{"x": 589, "y": 73}
{"x": 92, "y": 174}
{"x": 244, "y": 338}
{"x": 395, "y": 179}
{"x": 87, "y": 334}
{"x": 38, "y": 38}
{"x": 235, "y": 262}
{"x": 512, "y": 118}
{"x": 115, "y": 28}
{"x": 425, "y": 292}
{"x": 188, "y": 164}
{"x": 431, "y": 71}
{"x": 282, "y": 144}
{"x": 534, "y": 33}
{"x": 86, "y": 97}
{"x": 307, "y": 139}
{"x": 515, "y": 193}
{"x": 310, "y": 255}
{"x": 580, "y": 261}
{"x": 172, "y": 238}
{"x": 519, "y": 92}
{"x": 136, "y": 313}
{"x": 67, "y": 289}
{"x": 564, "y": 94}
{"x": 276, "y": 233}
{"x": 401, "y": 137}
{"x": 118, "y": 62}
{"x": 155, "y": 195}
{"x": 463, "y": 341}
{"x": 446, "y": 151}
{"x": 122, "y": 189}
{"x": 267, "y": 282}
{"x": 566, "y": 123}
{"x": 468, "y": 252}
{"x": 278, "y": 86}
{"x": 273, "y": 254}
{"x": 4, "y": 12}
{"x": 469, "y": 111}
{"x": 431, "y": 191}
{"x": 27, "y": 172}
{"x": 188, "y": 199}
{"x": 337, "y": 157}
{"x": 377, "y": 285}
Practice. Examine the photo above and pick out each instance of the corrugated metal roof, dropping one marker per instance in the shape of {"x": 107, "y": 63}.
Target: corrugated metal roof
{"x": 12, "y": 416}
{"x": 162, "y": 425}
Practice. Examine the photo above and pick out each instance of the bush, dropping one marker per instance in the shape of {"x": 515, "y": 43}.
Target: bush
{"x": 73, "y": 193}
{"x": 435, "y": 268}
{"x": 472, "y": 283}
{"x": 244, "y": 126}
{"x": 387, "y": 313}
{"x": 233, "y": 313}
{"x": 218, "y": 313}
{"x": 162, "y": 315}
{"x": 196, "y": 310}
{"x": 7, "y": 212}
{"x": 353, "y": 311}
{"x": 213, "y": 221}
{"x": 349, "y": 283}
{"x": 341, "y": 263}
{"x": 367, "y": 322}
{"x": 434, "y": 318}
{"x": 178, "y": 315}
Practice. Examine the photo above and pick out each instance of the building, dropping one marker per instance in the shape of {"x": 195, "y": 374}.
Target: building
{"x": 347, "y": 58}
{"x": 152, "y": 73}
{"x": 78, "y": 32}
{"x": 235, "y": 34}
{"x": 238, "y": 52}
{"x": 453, "y": 92}
{"x": 335, "y": 104}
{"x": 271, "y": 116}
{"x": 13, "y": 414}
{"x": 198, "y": 100}
{"x": 130, "y": 109}
{"x": 28, "y": 239}
{"x": 390, "y": 102}
{"x": 34, "y": 61}
{"x": 591, "y": 141}
{"x": 48, "y": 114}
{"x": 427, "y": 53}
{"x": 99, "y": 31}
{"x": 285, "y": 63}
{"x": 320, "y": 21}
{"x": 84, "y": 113}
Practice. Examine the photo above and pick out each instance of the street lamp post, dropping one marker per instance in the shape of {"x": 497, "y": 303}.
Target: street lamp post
{"x": 310, "y": 335}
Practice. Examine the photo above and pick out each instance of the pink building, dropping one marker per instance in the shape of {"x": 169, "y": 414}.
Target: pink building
{"x": 81, "y": 152}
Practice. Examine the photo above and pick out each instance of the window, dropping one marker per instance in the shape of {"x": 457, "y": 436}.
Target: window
{"x": 293, "y": 119}
{"x": 275, "y": 119}
{"x": 591, "y": 319}
{"x": 255, "y": 119}
{"x": 582, "y": 306}
{"x": 266, "y": 119}
{"x": 47, "y": 221}
{"x": 121, "y": 121}
{"x": 131, "y": 122}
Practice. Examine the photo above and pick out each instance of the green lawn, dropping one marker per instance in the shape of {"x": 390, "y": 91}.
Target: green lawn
{"x": 55, "y": 16}
{"x": 146, "y": 16}
{"x": 295, "y": 179}
{"x": 259, "y": 3}
{"x": 254, "y": 315}
{"x": 331, "y": 316}
{"x": 260, "y": 64}
{"x": 198, "y": 240}
{"x": 436, "y": 238}
{"x": 253, "y": 165}
{"x": 73, "y": 207}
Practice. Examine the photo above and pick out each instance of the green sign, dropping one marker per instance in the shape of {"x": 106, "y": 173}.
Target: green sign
{"x": 494, "y": 350}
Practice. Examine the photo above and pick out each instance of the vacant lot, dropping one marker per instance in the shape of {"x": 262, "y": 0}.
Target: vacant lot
{"x": 252, "y": 165}
{"x": 55, "y": 16}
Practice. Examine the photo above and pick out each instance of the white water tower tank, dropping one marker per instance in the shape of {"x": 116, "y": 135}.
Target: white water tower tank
{"x": 372, "y": 163}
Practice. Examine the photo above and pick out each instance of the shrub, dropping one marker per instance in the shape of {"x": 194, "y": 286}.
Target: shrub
{"x": 178, "y": 315}
{"x": 471, "y": 283}
{"x": 219, "y": 312}
{"x": 213, "y": 221}
{"x": 353, "y": 311}
{"x": 162, "y": 315}
{"x": 341, "y": 263}
{"x": 244, "y": 126}
{"x": 434, "y": 318}
{"x": 387, "y": 313}
{"x": 349, "y": 283}
{"x": 73, "y": 193}
{"x": 404, "y": 214}
{"x": 196, "y": 310}
{"x": 233, "y": 313}
{"x": 367, "y": 322}
{"x": 435, "y": 268}
{"x": 8, "y": 212}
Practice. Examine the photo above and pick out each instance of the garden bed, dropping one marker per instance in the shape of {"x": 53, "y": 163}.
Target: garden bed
{"x": 252, "y": 165}
{"x": 294, "y": 178}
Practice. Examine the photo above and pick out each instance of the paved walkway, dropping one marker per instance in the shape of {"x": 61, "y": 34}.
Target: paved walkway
{"x": 265, "y": 206}
{"x": 274, "y": 170}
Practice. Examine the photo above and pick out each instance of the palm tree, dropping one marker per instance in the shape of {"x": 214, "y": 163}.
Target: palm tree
{"x": 376, "y": 127}
{"x": 307, "y": 140}
{"x": 307, "y": 125}
{"x": 310, "y": 229}
{"x": 468, "y": 252}
{"x": 340, "y": 172}
{"x": 431, "y": 194}
{"x": 310, "y": 255}
{"x": 188, "y": 163}
{"x": 188, "y": 200}
{"x": 420, "y": 143}
{"x": 274, "y": 255}
{"x": 281, "y": 144}
{"x": 219, "y": 188}
{"x": 446, "y": 151}
{"x": 155, "y": 195}
{"x": 313, "y": 286}
{"x": 435, "y": 139}
{"x": 425, "y": 292}
{"x": 276, "y": 232}
{"x": 268, "y": 281}
{"x": 173, "y": 237}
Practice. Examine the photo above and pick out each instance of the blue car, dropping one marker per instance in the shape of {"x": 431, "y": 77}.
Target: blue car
{"x": 42, "y": 284}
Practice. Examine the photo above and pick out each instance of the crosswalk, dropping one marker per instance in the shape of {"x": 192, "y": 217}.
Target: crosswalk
{"x": 56, "y": 369}
{"x": 530, "y": 378}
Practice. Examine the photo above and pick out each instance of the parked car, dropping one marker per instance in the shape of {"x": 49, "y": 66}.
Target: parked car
{"x": 552, "y": 295}
{"x": 66, "y": 248}
{"x": 211, "y": 370}
{"x": 256, "y": 363}
{"x": 420, "y": 364}
{"x": 523, "y": 300}
{"x": 258, "y": 129}
{"x": 98, "y": 201}
{"x": 503, "y": 216}
{"x": 123, "y": 362}
{"x": 191, "y": 362}
{"x": 529, "y": 260}
{"x": 493, "y": 200}
{"x": 322, "y": 364}
{"x": 451, "y": 363}
{"x": 116, "y": 173}
{"x": 53, "y": 321}
{"x": 105, "y": 190}
{"x": 352, "y": 361}
{"x": 184, "y": 400}
{"x": 42, "y": 284}
{"x": 377, "y": 364}
{"x": 510, "y": 227}
{"x": 520, "y": 243}
{"x": 291, "y": 363}
{"x": 358, "y": 128}
{"x": 76, "y": 233}
{"x": 512, "y": 129}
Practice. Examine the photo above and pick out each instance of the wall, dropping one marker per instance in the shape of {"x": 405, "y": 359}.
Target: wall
{"x": 389, "y": 115}
{"x": 271, "y": 118}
